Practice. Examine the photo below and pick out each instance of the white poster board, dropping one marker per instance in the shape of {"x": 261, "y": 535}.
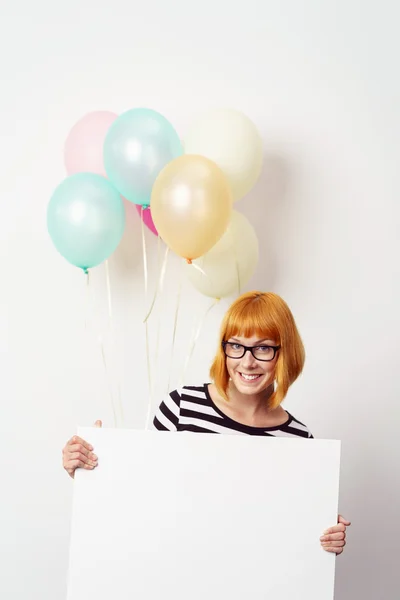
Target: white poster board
{"x": 168, "y": 516}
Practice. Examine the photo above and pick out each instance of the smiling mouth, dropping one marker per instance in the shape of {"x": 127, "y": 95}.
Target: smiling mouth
{"x": 248, "y": 377}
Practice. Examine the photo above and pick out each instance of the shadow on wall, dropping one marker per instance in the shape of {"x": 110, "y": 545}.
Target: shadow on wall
{"x": 265, "y": 207}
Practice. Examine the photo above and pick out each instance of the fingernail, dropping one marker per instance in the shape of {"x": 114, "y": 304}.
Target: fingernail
{"x": 90, "y": 447}
{"x": 326, "y": 531}
{"x": 322, "y": 538}
{"x": 94, "y": 457}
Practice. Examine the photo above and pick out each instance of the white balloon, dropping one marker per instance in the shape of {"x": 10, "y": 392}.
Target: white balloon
{"x": 228, "y": 266}
{"x": 232, "y": 141}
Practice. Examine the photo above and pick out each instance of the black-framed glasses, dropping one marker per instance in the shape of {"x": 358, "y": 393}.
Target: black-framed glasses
{"x": 263, "y": 352}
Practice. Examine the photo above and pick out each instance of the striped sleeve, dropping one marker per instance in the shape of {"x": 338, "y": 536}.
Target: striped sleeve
{"x": 167, "y": 415}
{"x": 296, "y": 424}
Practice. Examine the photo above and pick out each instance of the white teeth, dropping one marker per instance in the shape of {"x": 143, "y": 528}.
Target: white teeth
{"x": 249, "y": 377}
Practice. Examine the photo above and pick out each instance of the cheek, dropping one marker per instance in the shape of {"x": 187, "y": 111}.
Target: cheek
{"x": 269, "y": 371}
{"x": 270, "y": 368}
{"x": 230, "y": 365}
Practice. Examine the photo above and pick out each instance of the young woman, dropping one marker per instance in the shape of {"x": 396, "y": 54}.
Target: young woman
{"x": 260, "y": 355}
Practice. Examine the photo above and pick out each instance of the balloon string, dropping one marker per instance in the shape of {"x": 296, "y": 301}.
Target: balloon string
{"x": 89, "y": 295}
{"x": 144, "y": 257}
{"x": 199, "y": 269}
{"x": 110, "y": 312}
{"x": 150, "y": 402}
{"x": 175, "y": 329}
{"x": 159, "y": 312}
{"x": 111, "y": 323}
{"x": 107, "y": 379}
{"x": 87, "y": 275}
{"x": 159, "y": 287}
{"x": 195, "y": 337}
{"x": 146, "y": 290}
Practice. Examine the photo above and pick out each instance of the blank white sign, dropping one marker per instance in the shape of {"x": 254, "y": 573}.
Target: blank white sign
{"x": 182, "y": 516}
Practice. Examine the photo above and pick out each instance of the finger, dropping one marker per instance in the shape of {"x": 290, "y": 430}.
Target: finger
{"x": 77, "y": 464}
{"x": 80, "y": 448}
{"x": 333, "y": 536}
{"x": 83, "y": 458}
{"x": 78, "y": 440}
{"x": 335, "y": 529}
{"x": 334, "y": 544}
{"x": 98, "y": 423}
{"x": 344, "y": 521}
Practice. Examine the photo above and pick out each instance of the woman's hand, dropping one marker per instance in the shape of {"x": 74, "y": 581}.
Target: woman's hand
{"x": 334, "y": 538}
{"x": 78, "y": 454}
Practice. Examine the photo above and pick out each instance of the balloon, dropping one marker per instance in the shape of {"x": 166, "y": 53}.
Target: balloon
{"x": 137, "y": 146}
{"x": 83, "y": 150}
{"x": 230, "y": 263}
{"x": 191, "y": 205}
{"x": 232, "y": 141}
{"x": 147, "y": 218}
{"x": 85, "y": 219}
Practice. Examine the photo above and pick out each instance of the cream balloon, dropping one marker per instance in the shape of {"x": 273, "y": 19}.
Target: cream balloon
{"x": 228, "y": 266}
{"x": 231, "y": 140}
{"x": 191, "y": 205}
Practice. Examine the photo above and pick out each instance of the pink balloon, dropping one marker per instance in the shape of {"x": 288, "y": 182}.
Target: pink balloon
{"x": 83, "y": 150}
{"x": 147, "y": 218}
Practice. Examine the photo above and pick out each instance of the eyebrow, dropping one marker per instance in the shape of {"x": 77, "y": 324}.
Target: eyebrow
{"x": 256, "y": 344}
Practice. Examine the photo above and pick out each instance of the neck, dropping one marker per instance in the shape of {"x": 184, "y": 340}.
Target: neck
{"x": 253, "y": 404}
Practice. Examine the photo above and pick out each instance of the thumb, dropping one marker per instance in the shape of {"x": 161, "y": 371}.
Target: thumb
{"x": 344, "y": 521}
{"x": 98, "y": 424}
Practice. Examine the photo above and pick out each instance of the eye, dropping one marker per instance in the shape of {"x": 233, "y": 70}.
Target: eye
{"x": 235, "y": 346}
{"x": 264, "y": 349}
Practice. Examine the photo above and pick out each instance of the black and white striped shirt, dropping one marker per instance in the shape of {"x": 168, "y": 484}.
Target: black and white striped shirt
{"x": 191, "y": 409}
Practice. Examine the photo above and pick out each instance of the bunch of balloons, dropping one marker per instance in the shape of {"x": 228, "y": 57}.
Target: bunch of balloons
{"x": 183, "y": 191}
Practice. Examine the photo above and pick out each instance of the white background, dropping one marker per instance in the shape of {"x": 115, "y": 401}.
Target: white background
{"x": 320, "y": 80}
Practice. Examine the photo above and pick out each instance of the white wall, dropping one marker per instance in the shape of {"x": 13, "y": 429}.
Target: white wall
{"x": 320, "y": 79}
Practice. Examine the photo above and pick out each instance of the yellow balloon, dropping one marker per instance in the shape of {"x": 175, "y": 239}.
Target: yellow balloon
{"x": 228, "y": 266}
{"x": 231, "y": 140}
{"x": 191, "y": 205}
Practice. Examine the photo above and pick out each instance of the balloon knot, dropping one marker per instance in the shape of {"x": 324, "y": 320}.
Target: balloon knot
{"x": 85, "y": 270}
{"x": 189, "y": 261}
{"x": 145, "y": 206}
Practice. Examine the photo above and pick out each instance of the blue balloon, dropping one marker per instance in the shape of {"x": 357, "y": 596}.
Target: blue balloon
{"x": 86, "y": 219}
{"x": 138, "y": 145}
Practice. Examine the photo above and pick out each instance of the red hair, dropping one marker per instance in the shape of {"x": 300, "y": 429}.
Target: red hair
{"x": 266, "y": 315}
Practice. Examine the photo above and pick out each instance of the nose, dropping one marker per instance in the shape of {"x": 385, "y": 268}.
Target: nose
{"x": 248, "y": 360}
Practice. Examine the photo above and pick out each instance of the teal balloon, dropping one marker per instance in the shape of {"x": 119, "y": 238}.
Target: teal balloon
{"x": 138, "y": 145}
{"x": 86, "y": 219}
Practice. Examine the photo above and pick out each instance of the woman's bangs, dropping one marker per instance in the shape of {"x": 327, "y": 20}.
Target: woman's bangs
{"x": 252, "y": 319}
